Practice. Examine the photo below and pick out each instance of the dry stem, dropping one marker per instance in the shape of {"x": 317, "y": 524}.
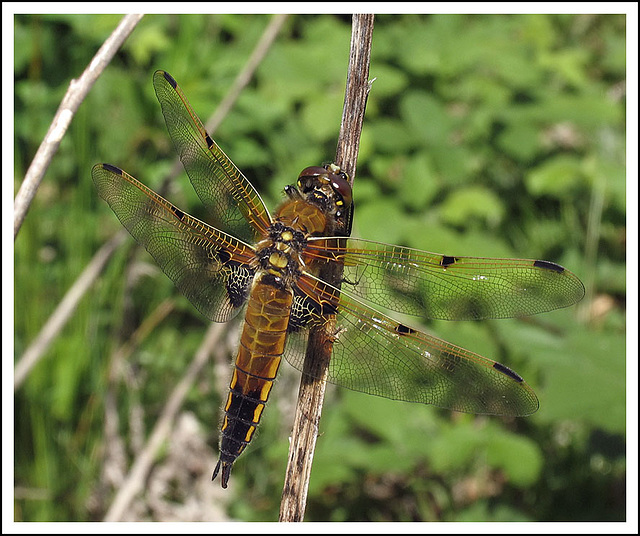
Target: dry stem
{"x": 78, "y": 90}
{"x": 312, "y": 385}
{"x": 137, "y": 476}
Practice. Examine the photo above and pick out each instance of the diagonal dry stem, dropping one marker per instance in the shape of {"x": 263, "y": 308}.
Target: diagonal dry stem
{"x": 65, "y": 310}
{"x": 78, "y": 90}
{"x": 134, "y": 482}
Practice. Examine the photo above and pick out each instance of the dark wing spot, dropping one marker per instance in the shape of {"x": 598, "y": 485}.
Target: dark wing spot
{"x": 329, "y": 309}
{"x": 179, "y": 214}
{"x": 209, "y": 141}
{"x": 239, "y": 285}
{"x": 306, "y": 312}
{"x": 170, "y": 79}
{"x": 549, "y": 266}
{"x": 113, "y": 169}
{"x": 507, "y": 372}
{"x": 447, "y": 261}
{"x": 223, "y": 256}
{"x": 404, "y": 330}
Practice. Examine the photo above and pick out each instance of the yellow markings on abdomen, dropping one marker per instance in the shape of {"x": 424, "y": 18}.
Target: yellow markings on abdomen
{"x": 261, "y": 346}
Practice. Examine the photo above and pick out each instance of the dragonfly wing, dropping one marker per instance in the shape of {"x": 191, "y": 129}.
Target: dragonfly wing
{"x": 377, "y": 355}
{"x": 209, "y": 267}
{"x": 234, "y": 204}
{"x": 432, "y": 285}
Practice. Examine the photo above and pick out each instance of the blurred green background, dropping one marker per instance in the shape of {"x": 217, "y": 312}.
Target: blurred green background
{"x": 484, "y": 135}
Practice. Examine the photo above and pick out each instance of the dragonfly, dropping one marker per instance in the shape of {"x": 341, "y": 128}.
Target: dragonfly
{"x": 274, "y": 268}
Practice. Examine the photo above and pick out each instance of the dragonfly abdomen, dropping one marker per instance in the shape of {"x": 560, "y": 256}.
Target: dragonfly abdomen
{"x": 278, "y": 258}
{"x": 261, "y": 346}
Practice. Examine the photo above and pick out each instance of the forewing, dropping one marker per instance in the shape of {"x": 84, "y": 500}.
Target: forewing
{"x": 377, "y": 355}
{"x": 432, "y": 285}
{"x": 211, "y": 268}
{"x": 234, "y": 204}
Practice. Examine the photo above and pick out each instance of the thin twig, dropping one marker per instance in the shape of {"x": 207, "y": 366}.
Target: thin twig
{"x": 78, "y": 90}
{"x": 64, "y": 310}
{"x": 244, "y": 76}
{"x": 312, "y": 384}
{"x": 121, "y": 355}
{"x": 136, "y": 477}
{"x": 115, "y": 460}
{"x": 356, "y": 93}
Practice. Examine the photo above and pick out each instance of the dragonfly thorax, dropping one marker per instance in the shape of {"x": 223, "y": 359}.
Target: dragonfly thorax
{"x": 279, "y": 254}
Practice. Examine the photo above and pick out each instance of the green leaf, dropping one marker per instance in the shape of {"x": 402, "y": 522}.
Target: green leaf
{"x": 472, "y": 202}
{"x": 556, "y": 177}
{"x": 390, "y": 136}
{"x": 426, "y": 116}
{"x": 321, "y": 116}
{"x": 420, "y": 181}
{"x": 454, "y": 449}
{"x": 519, "y": 457}
{"x": 521, "y": 140}
{"x": 578, "y": 367}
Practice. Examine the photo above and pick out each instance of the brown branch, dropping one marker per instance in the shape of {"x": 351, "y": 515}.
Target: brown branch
{"x": 356, "y": 93}
{"x": 78, "y": 90}
{"x": 312, "y": 384}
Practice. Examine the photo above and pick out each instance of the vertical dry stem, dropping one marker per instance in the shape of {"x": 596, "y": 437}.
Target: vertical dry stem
{"x": 312, "y": 385}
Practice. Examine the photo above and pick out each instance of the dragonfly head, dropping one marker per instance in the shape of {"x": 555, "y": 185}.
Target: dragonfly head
{"x": 328, "y": 187}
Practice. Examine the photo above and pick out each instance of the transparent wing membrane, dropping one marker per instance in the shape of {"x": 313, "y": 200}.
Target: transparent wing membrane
{"x": 377, "y": 355}
{"x": 208, "y": 266}
{"x": 218, "y": 269}
{"x": 432, "y": 285}
{"x": 234, "y": 204}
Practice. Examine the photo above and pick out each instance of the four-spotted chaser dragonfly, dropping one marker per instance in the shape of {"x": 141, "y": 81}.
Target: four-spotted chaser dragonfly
{"x": 273, "y": 265}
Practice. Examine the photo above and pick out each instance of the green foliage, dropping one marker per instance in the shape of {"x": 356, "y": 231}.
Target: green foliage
{"x": 496, "y": 135}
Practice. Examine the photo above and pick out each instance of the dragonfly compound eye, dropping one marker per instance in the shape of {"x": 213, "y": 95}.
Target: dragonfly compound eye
{"x": 342, "y": 188}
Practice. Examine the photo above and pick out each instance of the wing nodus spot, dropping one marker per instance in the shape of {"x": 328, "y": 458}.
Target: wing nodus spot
{"x": 404, "y": 330}
{"x": 179, "y": 214}
{"x": 447, "y": 261}
{"x": 507, "y": 372}
{"x": 549, "y": 266}
{"x": 223, "y": 256}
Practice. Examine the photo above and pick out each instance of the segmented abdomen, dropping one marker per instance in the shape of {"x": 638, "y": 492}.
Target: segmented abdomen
{"x": 261, "y": 347}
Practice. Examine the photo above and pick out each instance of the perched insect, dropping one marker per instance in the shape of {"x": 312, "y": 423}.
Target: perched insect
{"x": 273, "y": 265}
